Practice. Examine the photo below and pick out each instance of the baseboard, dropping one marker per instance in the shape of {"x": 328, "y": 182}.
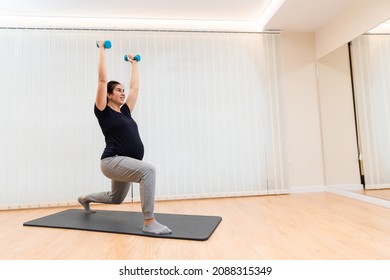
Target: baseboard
{"x": 310, "y": 189}
{"x": 344, "y": 187}
{"x": 307, "y": 189}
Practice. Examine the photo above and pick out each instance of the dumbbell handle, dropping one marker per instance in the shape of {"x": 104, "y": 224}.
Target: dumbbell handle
{"x": 137, "y": 57}
{"x": 107, "y": 44}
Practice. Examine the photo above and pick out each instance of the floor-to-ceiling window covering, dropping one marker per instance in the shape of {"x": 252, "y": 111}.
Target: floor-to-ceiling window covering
{"x": 209, "y": 113}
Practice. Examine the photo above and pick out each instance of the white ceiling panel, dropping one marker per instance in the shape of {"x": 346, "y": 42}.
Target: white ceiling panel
{"x": 235, "y": 15}
{"x": 145, "y": 9}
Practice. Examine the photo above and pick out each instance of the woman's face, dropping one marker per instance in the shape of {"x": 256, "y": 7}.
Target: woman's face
{"x": 118, "y": 95}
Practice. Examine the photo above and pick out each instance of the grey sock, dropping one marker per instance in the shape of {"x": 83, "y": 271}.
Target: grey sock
{"x": 156, "y": 228}
{"x": 85, "y": 205}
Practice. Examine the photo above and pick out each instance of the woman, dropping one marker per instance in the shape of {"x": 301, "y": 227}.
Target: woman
{"x": 121, "y": 160}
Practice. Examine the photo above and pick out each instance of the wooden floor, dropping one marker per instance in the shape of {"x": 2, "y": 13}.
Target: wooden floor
{"x": 308, "y": 226}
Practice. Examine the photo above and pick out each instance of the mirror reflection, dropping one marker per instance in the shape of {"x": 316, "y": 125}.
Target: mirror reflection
{"x": 370, "y": 60}
{"x": 356, "y": 127}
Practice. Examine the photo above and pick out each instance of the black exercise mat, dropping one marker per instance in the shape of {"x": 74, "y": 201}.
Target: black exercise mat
{"x": 190, "y": 227}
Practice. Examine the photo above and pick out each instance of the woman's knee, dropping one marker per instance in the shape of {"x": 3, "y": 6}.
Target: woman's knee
{"x": 151, "y": 169}
{"x": 119, "y": 191}
{"x": 117, "y": 200}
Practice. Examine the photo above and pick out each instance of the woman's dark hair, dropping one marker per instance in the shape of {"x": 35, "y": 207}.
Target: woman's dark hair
{"x": 111, "y": 85}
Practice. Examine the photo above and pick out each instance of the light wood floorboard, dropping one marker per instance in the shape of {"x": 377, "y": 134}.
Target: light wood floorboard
{"x": 307, "y": 226}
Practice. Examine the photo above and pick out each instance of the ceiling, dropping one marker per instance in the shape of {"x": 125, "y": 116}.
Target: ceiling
{"x": 241, "y": 15}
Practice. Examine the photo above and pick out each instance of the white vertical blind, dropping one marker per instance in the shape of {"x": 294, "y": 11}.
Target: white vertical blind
{"x": 208, "y": 113}
{"x": 371, "y": 60}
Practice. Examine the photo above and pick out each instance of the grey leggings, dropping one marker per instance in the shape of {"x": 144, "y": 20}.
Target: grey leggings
{"x": 123, "y": 171}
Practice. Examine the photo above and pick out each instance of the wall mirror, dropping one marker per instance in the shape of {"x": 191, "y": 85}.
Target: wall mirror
{"x": 354, "y": 90}
{"x": 370, "y": 64}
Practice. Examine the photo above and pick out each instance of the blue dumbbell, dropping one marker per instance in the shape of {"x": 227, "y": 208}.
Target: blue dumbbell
{"x": 137, "y": 57}
{"x": 107, "y": 44}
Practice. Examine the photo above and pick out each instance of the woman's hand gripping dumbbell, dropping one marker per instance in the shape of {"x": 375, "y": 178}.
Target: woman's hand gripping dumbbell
{"x": 137, "y": 57}
{"x": 106, "y": 44}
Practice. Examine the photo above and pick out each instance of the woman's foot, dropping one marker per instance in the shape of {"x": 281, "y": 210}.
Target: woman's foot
{"x": 85, "y": 204}
{"x": 152, "y": 226}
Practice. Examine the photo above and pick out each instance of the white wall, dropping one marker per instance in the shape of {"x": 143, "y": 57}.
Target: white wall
{"x": 303, "y": 133}
{"x": 337, "y": 119}
{"x": 359, "y": 17}
{"x": 320, "y": 128}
